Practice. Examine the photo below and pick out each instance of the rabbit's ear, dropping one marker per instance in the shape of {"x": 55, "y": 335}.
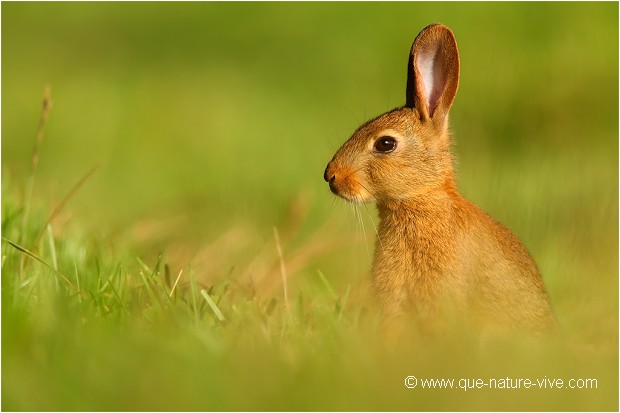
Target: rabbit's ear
{"x": 433, "y": 73}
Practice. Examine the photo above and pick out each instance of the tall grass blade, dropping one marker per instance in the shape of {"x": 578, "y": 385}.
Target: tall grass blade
{"x": 52, "y": 247}
{"x": 327, "y": 285}
{"x": 66, "y": 199}
{"x": 282, "y": 270}
{"x": 176, "y": 282}
{"x": 148, "y": 286}
{"x": 143, "y": 265}
{"x": 29, "y": 190}
{"x": 37, "y": 258}
{"x": 77, "y": 280}
{"x": 34, "y": 165}
{"x": 213, "y": 306}
{"x": 192, "y": 282}
{"x": 343, "y": 302}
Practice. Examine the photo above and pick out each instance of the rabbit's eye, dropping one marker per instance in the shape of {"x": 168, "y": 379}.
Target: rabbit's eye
{"x": 385, "y": 144}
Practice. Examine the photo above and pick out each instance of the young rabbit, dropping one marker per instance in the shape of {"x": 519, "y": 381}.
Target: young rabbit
{"x": 435, "y": 249}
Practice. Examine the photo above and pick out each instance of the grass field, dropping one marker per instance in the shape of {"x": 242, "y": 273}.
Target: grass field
{"x": 155, "y": 282}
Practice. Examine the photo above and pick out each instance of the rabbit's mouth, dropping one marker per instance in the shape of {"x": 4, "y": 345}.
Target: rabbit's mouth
{"x": 348, "y": 186}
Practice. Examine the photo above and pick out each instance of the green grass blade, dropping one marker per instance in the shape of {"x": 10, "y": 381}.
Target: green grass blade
{"x": 192, "y": 282}
{"x": 327, "y": 285}
{"x": 52, "y": 247}
{"x": 77, "y": 279}
{"x": 148, "y": 287}
{"x": 37, "y": 258}
{"x": 343, "y": 302}
{"x": 213, "y": 306}
{"x": 143, "y": 265}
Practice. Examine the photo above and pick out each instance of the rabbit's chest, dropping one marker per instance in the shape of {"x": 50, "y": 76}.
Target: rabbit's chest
{"x": 416, "y": 265}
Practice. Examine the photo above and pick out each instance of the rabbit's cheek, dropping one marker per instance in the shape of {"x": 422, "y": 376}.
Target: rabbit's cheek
{"x": 362, "y": 191}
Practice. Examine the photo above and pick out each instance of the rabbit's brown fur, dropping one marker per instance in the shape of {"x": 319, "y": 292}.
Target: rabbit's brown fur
{"x": 434, "y": 247}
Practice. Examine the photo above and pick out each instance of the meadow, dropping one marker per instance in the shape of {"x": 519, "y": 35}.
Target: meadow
{"x": 173, "y": 245}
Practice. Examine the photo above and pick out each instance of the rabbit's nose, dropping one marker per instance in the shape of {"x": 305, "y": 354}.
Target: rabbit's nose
{"x": 326, "y": 176}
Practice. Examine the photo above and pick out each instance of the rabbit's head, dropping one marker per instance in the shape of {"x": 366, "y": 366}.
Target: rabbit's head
{"x": 405, "y": 152}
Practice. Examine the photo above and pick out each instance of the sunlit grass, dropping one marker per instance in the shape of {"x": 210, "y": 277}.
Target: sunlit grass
{"x": 121, "y": 336}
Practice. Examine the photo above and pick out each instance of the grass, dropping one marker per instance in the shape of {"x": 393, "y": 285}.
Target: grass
{"x": 204, "y": 265}
{"x": 120, "y": 336}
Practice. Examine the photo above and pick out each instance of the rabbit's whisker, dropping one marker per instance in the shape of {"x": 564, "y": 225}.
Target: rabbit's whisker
{"x": 373, "y": 224}
{"x": 361, "y": 221}
{"x": 365, "y": 188}
{"x": 368, "y": 212}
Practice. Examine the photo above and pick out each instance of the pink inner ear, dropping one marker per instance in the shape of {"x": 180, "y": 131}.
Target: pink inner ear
{"x": 433, "y": 77}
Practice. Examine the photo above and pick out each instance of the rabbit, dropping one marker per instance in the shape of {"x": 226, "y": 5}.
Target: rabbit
{"x": 435, "y": 250}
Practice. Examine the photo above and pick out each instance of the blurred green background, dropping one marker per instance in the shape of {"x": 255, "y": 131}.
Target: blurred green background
{"x": 211, "y": 118}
